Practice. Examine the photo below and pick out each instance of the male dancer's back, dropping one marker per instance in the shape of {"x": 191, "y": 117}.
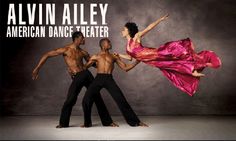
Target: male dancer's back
{"x": 73, "y": 56}
{"x": 105, "y": 65}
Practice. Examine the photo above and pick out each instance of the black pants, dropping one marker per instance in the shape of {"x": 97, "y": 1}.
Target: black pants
{"x": 84, "y": 78}
{"x": 106, "y": 81}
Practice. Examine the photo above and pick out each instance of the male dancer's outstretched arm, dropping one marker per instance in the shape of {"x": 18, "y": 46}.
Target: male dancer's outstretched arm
{"x": 119, "y": 62}
{"x": 124, "y": 66}
{"x": 44, "y": 58}
{"x": 124, "y": 56}
{"x": 87, "y": 58}
{"x": 92, "y": 60}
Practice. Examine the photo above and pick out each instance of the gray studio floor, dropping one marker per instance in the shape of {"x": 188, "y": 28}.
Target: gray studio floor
{"x": 161, "y": 127}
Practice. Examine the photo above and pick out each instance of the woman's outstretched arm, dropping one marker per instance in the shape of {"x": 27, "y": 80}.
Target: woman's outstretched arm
{"x": 124, "y": 56}
{"x": 151, "y": 26}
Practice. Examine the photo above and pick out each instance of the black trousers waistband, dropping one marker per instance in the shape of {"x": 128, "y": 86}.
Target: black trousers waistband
{"x": 79, "y": 73}
{"x": 103, "y": 75}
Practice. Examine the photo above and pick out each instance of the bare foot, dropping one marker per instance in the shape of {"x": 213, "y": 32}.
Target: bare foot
{"x": 60, "y": 126}
{"x": 114, "y": 125}
{"x": 197, "y": 74}
{"x": 143, "y": 124}
{"x": 83, "y": 126}
{"x": 209, "y": 65}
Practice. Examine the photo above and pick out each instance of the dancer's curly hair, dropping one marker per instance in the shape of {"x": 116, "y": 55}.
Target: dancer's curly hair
{"x": 132, "y": 28}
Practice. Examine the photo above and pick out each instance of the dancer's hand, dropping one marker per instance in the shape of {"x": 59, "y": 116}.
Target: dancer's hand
{"x": 116, "y": 54}
{"x": 35, "y": 74}
{"x": 164, "y": 17}
{"x": 137, "y": 61}
{"x": 149, "y": 28}
{"x": 70, "y": 72}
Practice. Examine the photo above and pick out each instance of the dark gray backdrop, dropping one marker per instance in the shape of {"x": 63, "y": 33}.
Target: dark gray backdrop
{"x": 209, "y": 23}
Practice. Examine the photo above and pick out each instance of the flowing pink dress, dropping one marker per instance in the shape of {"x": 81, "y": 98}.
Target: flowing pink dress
{"x": 177, "y": 60}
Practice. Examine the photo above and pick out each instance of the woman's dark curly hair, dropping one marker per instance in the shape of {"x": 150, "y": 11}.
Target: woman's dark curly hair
{"x": 132, "y": 28}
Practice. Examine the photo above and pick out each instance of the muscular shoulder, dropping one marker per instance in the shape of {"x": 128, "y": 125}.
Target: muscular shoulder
{"x": 65, "y": 49}
{"x": 137, "y": 37}
{"x": 60, "y": 50}
{"x": 68, "y": 46}
{"x": 94, "y": 57}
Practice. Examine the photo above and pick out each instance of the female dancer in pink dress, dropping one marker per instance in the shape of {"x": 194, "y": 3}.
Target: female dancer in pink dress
{"x": 176, "y": 59}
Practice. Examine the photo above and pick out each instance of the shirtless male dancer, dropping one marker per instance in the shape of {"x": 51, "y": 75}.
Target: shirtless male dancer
{"x": 73, "y": 56}
{"x": 105, "y": 65}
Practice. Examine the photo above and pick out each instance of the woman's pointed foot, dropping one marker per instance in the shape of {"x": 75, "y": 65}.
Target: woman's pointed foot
{"x": 197, "y": 74}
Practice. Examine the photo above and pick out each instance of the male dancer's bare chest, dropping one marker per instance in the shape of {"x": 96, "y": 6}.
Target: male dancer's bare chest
{"x": 74, "y": 58}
